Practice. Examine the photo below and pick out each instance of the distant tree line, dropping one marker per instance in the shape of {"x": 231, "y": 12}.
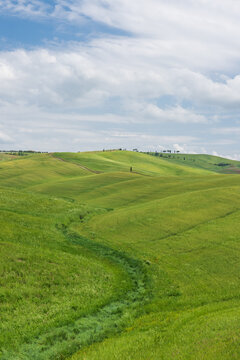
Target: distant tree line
{"x": 164, "y": 154}
{"x": 119, "y": 149}
{"x": 22, "y": 152}
{"x": 168, "y": 154}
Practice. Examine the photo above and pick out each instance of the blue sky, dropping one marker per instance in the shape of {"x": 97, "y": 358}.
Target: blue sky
{"x": 85, "y": 75}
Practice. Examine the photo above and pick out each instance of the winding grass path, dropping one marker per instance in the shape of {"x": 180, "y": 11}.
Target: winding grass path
{"x": 62, "y": 342}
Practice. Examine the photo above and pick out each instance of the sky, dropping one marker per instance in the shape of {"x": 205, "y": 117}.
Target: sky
{"x": 82, "y": 75}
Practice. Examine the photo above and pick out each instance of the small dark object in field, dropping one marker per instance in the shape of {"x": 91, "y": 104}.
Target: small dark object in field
{"x": 223, "y": 164}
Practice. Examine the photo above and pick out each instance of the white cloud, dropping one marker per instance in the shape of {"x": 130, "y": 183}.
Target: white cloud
{"x": 4, "y": 138}
{"x": 87, "y": 76}
{"x": 227, "y": 131}
{"x": 180, "y": 148}
{"x": 176, "y": 114}
{"x": 184, "y": 50}
{"x": 231, "y": 157}
{"x": 151, "y": 139}
{"x": 33, "y": 8}
{"x": 197, "y": 33}
{"x": 234, "y": 157}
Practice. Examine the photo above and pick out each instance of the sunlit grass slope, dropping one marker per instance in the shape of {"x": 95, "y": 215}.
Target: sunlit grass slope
{"x": 190, "y": 243}
{"x": 36, "y": 169}
{"x": 111, "y": 264}
{"x": 46, "y": 282}
{"x": 203, "y": 161}
{"x": 109, "y": 161}
{"x": 122, "y": 189}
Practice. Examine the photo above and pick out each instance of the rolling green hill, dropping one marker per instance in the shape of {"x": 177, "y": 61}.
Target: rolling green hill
{"x": 204, "y": 161}
{"x": 36, "y": 169}
{"x": 98, "y": 262}
{"x": 109, "y": 161}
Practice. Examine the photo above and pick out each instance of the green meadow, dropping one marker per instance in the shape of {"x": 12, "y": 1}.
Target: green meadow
{"x": 100, "y": 262}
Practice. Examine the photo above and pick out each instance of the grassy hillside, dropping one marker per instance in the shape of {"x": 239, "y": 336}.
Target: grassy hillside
{"x": 122, "y": 189}
{"x": 109, "y": 161}
{"x": 98, "y": 262}
{"x": 36, "y": 169}
{"x": 7, "y": 157}
{"x": 45, "y": 278}
{"x": 203, "y": 161}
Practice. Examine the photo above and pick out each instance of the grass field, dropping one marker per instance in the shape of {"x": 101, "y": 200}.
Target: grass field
{"x": 98, "y": 262}
{"x": 204, "y": 161}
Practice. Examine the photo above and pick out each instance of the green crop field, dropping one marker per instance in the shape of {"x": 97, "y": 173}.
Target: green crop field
{"x": 100, "y": 262}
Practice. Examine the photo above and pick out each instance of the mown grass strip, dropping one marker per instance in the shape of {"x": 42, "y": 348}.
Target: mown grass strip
{"x": 62, "y": 342}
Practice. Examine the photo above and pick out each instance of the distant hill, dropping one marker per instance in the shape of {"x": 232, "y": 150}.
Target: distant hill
{"x": 202, "y": 161}
{"x": 109, "y": 161}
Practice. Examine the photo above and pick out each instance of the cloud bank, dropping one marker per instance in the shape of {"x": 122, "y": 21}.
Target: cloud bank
{"x": 173, "y": 75}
